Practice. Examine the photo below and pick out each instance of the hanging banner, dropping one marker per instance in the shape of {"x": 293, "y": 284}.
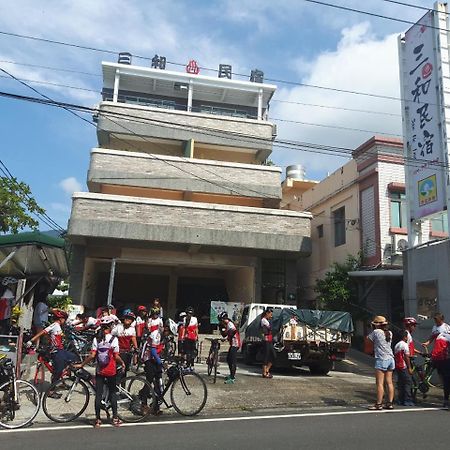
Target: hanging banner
{"x": 233, "y": 309}
{"x": 424, "y": 120}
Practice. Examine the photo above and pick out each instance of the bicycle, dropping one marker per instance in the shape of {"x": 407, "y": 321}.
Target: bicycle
{"x": 421, "y": 377}
{"x": 212, "y": 361}
{"x": 44, "y": 361}
{"x": 19, "y": 399}
{"x": 68, "y": 398}
{"x": 78, "y": 342}
{"x": 188, "y": 392}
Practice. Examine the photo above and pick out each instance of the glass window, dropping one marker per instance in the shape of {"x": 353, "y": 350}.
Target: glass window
{"x": 398, "y": 210}
{"x": 339, "y": 226}
{"x": 320, "y": 231}
{"x": 427, "y": 298}
{"x": 440, "y": 223}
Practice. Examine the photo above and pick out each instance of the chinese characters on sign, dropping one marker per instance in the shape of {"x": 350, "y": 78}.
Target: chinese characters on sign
{"x": 257, "y": 76}
{"x": 225, "y": 71}
{"x": 159, "y": 62}
{"x": 192, "y": 67}
{"x": 422, "y": 119}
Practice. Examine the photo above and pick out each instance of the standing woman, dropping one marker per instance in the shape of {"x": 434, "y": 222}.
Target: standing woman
{"x": 268, "y": 349}
{"x": 105, "y": 349}
{"x": 384, "y": 361}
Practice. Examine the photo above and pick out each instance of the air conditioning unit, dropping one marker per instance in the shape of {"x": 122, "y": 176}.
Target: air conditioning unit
{"x": 398, "y": 245}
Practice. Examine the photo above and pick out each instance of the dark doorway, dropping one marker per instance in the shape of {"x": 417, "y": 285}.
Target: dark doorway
{"x": 199, "y": 293}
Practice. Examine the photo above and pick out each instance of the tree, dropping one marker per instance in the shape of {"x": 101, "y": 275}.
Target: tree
{"x": 17, "y": 206}
{"x": 338, "y": 292}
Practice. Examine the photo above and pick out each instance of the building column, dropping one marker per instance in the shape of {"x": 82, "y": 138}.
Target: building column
{"x": 260, "y": 103}
{"x": 172, "y": 295}
{"x": 116, "y": 86}
{"x": 190, "y": 93}
{"x": 112, "y": 275}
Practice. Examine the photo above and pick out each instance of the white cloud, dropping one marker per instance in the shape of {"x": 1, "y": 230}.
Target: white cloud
{"x": 361, "y": 63}
{"x": 70, "y": 185}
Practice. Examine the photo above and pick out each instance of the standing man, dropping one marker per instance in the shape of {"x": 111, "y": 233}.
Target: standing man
{"x": 181, "y": 328}
{"x": 439, "y": 327}
{"x": 126, "y": 334}
{"x": 7, "y": 301}
{"x": 268, "y": 348}
{"x": 191, "y": 336}
{"x": 141, "y": 321}
{"x": 229, "y": 331}
{"x": 157, "y": 304}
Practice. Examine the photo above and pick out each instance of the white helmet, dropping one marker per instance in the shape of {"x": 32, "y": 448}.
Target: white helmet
{"x": 107, "y": 321}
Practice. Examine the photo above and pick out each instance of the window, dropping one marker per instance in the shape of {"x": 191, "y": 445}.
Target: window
{"x": 398, "y": 210}
{"x": 320, "y": 231}
{"x": 440, "y": 223}
{"x": 339, "y": 226}
{"x": 427, "y": 301}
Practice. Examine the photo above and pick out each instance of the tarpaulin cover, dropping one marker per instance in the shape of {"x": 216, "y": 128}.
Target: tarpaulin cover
{"x": 335, "y": 320}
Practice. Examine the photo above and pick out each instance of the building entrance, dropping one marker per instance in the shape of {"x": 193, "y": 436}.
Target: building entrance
{"x": 199, "y": 293}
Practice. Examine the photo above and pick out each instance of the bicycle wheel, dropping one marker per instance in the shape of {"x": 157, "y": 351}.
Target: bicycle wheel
{"x": 210, "y": 363}
{"x": 18, "y": 409}
{"x": 65, "y": 400}
{"x": 188, "y": 394}
{"x": 133, "y": 394}
{"x": 216, "y": 362}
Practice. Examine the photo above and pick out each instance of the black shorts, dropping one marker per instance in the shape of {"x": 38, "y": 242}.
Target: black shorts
{"x": 268, "y": 352}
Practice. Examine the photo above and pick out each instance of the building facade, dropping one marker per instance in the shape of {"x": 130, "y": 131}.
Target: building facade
{"x": 180, "y": 204}
{"x": 361, "y": 209}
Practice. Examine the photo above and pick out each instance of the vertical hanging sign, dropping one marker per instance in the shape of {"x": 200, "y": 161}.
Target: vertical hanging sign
{"x": 423, "y": 119}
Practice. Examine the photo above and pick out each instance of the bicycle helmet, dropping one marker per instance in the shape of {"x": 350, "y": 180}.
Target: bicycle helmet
{"x": 190, "y": 310}
{"x": 126, "y": 311}
{"x": 409, "y": 321}
{"x": 154, "y": 310}
{"x": 129, "y": 315}
{"x": 107, "y": 321}
{"x": 222, "y": 316}
{"x": 58, "y": 314}
{"x": 182, "y": 314}
{"x": 141, "y": 308}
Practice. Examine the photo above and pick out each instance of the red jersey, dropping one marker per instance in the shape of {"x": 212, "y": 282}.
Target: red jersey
{"x": 192, "y": 329}
{"x": 124, "y": 336}
{"x": 56, "y": 336}
{"x": 400, "y": 351}
{"x": 267, "y": 330}
{"x": 440, "y": 349}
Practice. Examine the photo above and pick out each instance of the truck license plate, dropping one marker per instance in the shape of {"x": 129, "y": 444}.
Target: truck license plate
{"x": 294, "y": 355}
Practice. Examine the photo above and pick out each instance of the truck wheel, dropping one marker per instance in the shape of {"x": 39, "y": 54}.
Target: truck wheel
{"x": 248, "y": 359}
{"x": 321, "y": 368}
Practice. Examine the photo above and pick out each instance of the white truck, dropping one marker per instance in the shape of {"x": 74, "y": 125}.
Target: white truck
{"x": 302, "y": 337}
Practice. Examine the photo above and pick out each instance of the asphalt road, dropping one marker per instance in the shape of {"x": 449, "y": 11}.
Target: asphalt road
{"x": 337, "y": 429}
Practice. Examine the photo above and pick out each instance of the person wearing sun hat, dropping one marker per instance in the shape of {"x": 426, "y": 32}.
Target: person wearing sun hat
{"x": 384, "y": 361}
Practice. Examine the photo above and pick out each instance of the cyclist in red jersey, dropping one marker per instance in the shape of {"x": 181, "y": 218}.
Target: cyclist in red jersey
{"x": 60, "y": 357}
{"x": 126, "y": 334}
{"x": 410, "y": 324}
{"x": 141, "y": 321}
{"x": 191, "y": 336}
{"x": 229, "y": 331}
{"x": 105, "y": 349}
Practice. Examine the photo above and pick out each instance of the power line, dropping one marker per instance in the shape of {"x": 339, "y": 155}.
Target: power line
{"x": 44, "y": 217}
{"x": 410, "y": 5}
{"x": 368, "y": 13}
{"x": 285, "y": 144}
{"x": 56, "y": 69}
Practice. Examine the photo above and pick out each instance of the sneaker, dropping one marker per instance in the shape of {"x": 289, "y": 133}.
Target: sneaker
{"x": 230, "y": 380}
{"x": 54, "y": 395}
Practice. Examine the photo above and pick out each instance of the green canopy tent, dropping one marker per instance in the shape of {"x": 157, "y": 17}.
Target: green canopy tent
{"x": 32, "y": 254}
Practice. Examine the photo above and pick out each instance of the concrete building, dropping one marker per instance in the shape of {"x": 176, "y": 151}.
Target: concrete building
{"x": 180, "y": 204}
{"x": 361, "y": 208}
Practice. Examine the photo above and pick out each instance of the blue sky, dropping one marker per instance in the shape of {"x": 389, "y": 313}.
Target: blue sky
{"x": 293, "y": 40}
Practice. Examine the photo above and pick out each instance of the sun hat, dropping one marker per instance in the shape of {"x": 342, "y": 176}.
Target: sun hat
{"x": 379, "y": 320}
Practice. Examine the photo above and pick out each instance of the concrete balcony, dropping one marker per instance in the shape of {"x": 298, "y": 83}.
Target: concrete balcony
{"x": 115, "y": 167}
{"x": 151, "y": 124}
{"x": 102, "y": 216}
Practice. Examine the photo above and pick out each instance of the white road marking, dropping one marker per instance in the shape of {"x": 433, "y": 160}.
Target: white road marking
{"x": 224, "y": 419}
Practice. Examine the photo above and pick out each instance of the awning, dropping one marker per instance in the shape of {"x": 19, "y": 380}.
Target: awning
{"x": 32, "y": 254}
{"x": 381, "y": 273}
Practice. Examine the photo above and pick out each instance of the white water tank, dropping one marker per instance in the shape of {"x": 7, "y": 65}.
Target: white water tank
{"x": 296, "y": 171}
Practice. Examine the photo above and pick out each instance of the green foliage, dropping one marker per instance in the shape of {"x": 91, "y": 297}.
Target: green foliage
{"x": 16, "y": 206}
{"x": 338, "y": 292}
{"x": 60, "y": 302}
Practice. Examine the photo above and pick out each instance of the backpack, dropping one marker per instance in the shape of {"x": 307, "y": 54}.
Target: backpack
{"x": 104, "y": 353}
